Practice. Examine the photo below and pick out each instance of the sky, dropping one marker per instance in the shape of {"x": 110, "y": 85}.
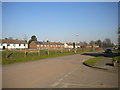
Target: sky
{"x": 60, "y": 21}
{"x": 0, "y": 20}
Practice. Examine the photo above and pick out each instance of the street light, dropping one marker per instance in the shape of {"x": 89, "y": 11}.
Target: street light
{"x": 76, "y": 40}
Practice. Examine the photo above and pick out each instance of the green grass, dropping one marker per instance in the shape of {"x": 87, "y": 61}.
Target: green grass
{"x": 16, "y": 56}
{"x": 117, "y": 63}
{"x": 117, "y": 58}
{"x": 93, "y": 61}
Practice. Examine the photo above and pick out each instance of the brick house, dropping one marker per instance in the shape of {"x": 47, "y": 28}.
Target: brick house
{"x": 39, "y": 44}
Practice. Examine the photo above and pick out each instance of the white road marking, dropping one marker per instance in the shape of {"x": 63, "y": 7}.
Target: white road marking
{"x": 55, "y": 84}
{"x": 65, "y": 76}
{"x": 66, "y": 85}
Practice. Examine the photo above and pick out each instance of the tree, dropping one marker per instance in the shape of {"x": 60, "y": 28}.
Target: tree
{"x": 33, "y": 38}
{"x": 107, "y": 43}
{"x": 47, "y": 41}
{"x": 85, "y": 43}
{"x": 119, "y": 38}
{"x": 11, "y": 38}
{"x": 91, "y": 43}
{"x": 99, "y": 43}
{"x": 119, "y": 30}
{"x": 73, "y": 44}
{"x": 25, "y": 37}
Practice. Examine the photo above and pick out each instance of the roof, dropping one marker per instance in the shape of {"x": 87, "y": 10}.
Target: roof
{"x": 80, "y": 44}
{"x": 10, "y": 41}
{"x": 37, "y": 42}
{"x": 69, "y": 44}
{"x": 48, "y": 43}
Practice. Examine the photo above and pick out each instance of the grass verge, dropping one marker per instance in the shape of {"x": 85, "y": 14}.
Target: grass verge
{"x": 117, "y": 58}
{"x": 19, "y": 56}
{"x": 92, "y": 61}
{"x": 116, "y": 61}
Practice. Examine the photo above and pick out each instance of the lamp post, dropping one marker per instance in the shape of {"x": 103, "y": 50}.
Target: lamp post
{"x": 75, "y": 42}
{"x": 25, "y": 48}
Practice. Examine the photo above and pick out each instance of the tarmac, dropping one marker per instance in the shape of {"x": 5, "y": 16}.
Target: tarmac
{"x": 60, "y": 72}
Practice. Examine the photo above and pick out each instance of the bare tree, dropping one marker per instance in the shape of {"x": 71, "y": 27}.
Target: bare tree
{"x": 118, "y": 37}
{"x": 99, "y": 43}
{"x": 25, "y": 37}
{"x": 11, "y": 38}
{"x": 107, "y": 43}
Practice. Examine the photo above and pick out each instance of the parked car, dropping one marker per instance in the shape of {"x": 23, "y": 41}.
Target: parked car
{"x": 108, "y": 50}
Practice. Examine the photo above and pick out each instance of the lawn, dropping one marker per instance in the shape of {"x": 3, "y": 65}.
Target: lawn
{"x": 93, "y": 61}
{"x": 116, "y": 61}
{"x": 117, "y": 58}
{"x": 15, "y": 56}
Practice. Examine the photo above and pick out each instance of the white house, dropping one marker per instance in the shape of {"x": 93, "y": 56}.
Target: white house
{"x": 69, "y": 45}
{"x": 77, "y": 45}
{"x": 13, "y": 44}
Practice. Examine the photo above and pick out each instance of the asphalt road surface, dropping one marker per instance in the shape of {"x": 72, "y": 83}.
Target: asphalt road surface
{"x": 59, "y": 72}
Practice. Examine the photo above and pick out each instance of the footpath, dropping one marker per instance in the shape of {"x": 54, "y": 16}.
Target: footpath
{"x": 106, "y": 64}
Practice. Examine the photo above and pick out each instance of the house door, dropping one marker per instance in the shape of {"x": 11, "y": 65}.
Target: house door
{"x": 3, "y": 47}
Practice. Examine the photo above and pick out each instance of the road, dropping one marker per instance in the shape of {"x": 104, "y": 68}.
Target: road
{"x": 60, "y": 72}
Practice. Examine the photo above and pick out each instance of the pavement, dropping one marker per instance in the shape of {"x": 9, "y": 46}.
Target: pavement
{"x": 60, "y": 72}
{"x": 106, "y": 64}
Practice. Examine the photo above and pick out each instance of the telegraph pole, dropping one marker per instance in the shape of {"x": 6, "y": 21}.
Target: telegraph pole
{"x": 7, "y": 51}
{"x": 25, "y": 38}
{"x": 25, "y": 49}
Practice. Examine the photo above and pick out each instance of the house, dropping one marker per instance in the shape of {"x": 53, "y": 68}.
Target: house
{"x": 71, "y": 45}
{"x": 68, "y": 45}
{"x": 92, "y": 46}
{"x": 40, "y": 44}
{"x": 13, "y": 44}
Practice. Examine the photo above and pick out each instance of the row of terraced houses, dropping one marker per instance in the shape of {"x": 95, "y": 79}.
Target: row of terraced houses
{"x": 21, "y": 44}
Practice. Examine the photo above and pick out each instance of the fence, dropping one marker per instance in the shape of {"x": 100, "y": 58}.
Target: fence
{"x": 41, "y": 52}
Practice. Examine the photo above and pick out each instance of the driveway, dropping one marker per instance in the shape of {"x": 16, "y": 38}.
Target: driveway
{"x": 60, "y": 72}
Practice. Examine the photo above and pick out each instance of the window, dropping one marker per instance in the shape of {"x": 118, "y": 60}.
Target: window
{"x": 8, "y": 44}
{"x": 19, "y": 44}
{"x": 38, "y": 45}
{"x": 14, "y": 45}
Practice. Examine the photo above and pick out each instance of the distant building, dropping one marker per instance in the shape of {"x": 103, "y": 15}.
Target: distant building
{"x": 92, "y": 46}
{"x": 39, "y": 44}
{"x": 77, "y": 45}
{"x": 13, "y": 44}
{"x": 68, "y": 45}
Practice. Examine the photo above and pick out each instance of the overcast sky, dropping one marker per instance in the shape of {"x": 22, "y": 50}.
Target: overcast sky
{"x": 62, "y": 21}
